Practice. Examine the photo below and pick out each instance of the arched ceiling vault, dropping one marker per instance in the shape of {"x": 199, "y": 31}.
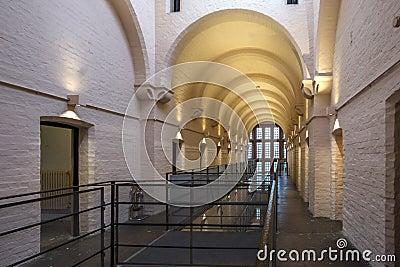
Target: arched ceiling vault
{"x": 258, "y": 47}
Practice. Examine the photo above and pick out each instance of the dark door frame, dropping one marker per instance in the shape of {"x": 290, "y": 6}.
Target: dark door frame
{"x": 75, "y": 181}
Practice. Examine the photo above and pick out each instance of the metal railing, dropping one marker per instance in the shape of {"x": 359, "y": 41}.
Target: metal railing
{"x": 109, "y": 208}
{"x": 268, "y": 236}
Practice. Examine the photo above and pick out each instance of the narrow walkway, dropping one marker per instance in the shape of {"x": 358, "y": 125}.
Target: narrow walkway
{"x": 299, "y": 230}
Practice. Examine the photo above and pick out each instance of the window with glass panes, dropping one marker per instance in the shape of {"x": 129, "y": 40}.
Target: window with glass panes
{"x": 267, "y": 167}
{"x": 266, "y": 143}
{"x": 259, "y": 150}
{"x": 267, "y": 150}
{"x": 259, "y": 133}
{"x": 259, "y": 167}
{"x": 276, "y": 150}
{"x": 276, "y": 132}
{"x": 267, "y": 133}
{"x": 250, "y": 151}
{"x": 284, "y": 150}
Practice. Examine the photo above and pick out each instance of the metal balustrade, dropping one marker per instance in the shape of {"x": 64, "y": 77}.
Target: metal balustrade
{"x": 110, "y": 208}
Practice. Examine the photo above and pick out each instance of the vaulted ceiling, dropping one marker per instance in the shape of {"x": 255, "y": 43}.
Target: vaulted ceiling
{"x": 258, "y": 47}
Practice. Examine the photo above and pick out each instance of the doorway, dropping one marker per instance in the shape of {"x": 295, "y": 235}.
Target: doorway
{"x": 397, "y": 181}
{"x": 59, "y": 159}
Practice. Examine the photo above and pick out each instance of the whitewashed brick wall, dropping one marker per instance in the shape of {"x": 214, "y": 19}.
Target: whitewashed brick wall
{"x": 60, "y": 48}
{"x": 364, "y": 170}
{"x": 366, "y": 46}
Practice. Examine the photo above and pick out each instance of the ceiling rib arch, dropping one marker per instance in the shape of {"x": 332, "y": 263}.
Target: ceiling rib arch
{"x": 257, "y": 46}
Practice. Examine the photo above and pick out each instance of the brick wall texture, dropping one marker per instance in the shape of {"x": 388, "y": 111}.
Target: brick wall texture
{"x": 51, "y": 49}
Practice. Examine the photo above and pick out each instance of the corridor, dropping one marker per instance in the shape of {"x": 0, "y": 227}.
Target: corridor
{"x": 297, "y": 229}
{"x": 127, "y": 127}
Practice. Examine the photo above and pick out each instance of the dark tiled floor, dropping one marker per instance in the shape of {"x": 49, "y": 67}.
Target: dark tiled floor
{"x": 137, "y": 234}
{"x": 299, "y": 230}
{"x": 237, "y": 254}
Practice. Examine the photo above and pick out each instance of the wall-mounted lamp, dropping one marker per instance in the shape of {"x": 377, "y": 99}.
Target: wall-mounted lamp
{"x": 203, "y": 221}
{"x": 218, "y": 147}
{"x": 307, "y": 138}
{"x": 396, "y": 22}
{"x": 337, "y": 130}
{"x": 203, "y": 145}
{"x": 178, "y": 139}
{"x": 177, "y": 143}
{"x": 229, "y": 147}
{"x": 73, "y": 101}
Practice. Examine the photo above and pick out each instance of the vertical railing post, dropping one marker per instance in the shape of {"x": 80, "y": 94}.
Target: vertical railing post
{"x": 275, "y": 218}
{"x": 207, "y": 173}
{"x": 75, "y": 211}
{"x": 191, "y": 222}
{"x": 102, "y": 204}
{"x": 112, "y": 234}
{"x": 116, "y": 203}
{"x": 166, "y": 203}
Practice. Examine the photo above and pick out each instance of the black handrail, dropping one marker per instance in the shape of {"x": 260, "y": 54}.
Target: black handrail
{"x": 113, "y": 204}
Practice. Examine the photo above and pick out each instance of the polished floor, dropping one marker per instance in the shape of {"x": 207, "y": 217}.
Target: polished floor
{"x": 299, "y": 230}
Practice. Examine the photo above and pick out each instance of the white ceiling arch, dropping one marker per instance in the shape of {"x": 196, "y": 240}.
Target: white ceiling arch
{"x": 134, "y": 34}
{"x": 257, "y": 46}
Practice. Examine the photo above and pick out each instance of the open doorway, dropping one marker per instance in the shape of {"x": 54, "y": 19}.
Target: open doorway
{"x": 392, "y": 183}
{"x": 59, "y": 169}
{"x": 397, "y": 181}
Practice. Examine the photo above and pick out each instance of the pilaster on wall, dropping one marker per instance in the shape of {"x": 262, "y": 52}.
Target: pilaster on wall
{"x": 319, "y": 159}
{"x": 294, "y": 164}
{"x": 304, "y": 166}
{"x": 153, "y": 160}
{"x": 336, "y": 175}
{"x": 298, "y": 167}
